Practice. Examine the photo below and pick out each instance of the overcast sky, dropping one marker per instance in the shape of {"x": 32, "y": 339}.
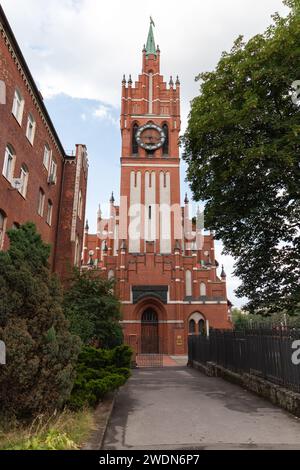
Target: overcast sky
{"x": 78, "y": 50}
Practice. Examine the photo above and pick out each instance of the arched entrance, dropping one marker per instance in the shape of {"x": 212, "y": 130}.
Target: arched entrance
{"x": 149, "y": 333}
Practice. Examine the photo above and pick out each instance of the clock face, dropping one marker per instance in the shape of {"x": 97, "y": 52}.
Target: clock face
{"x": 150, "y": 137}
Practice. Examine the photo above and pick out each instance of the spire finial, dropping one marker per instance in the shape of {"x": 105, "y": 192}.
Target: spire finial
{"x": 186, "y": 200}
{"x": 87, "y": 228}
{"x": 112, "y": 199}
{"x": 171, "y": 83}
{"x": 223, "y": 274}
{"x": 124, "y": 80}
{"x": 130, "y": 80}
{"x": 150, "y": 46}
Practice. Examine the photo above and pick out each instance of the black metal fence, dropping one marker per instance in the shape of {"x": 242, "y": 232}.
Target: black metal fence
{"x": 271, "y": 354}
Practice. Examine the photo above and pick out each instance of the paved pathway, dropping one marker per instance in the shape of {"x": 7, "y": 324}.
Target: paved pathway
{"x": 180, "y": 408}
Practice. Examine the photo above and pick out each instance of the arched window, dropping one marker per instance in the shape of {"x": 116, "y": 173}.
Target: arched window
{"x": 135, "y": 147}
{"x": 192, "y": 327}
{"x": 188, "y": 283}
{"x": 2, "y": 227}
{"x": 30, "y": 130}
{"x": 9, "y": 163}
{"x": 202, "y": 289}
{"x": 149, "y": 316}
{"x": 111, "y": 274}
{"x": 201, "y": 327}
{"x": 166, "y": 144}
{"x": 24, "y": 180}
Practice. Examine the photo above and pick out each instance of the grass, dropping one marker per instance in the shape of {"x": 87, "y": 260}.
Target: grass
{"x": 64, "y": 431}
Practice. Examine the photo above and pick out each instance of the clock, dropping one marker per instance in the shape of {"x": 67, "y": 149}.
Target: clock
{"x": 150, "y": 137}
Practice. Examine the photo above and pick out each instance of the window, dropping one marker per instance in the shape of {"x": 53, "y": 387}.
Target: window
{"x": 80, "y": 205}
{"x": 41, "y": 203}
{"x": 2, "y": 228}
{"x": 24, "y": 180}
{"x": 9, "y": 162}
{"x": 135, "y": 147}
{"x": 30, "y": 130}
{"x": 52, "y": 172}
{"x": 77, "y": 252}
{"x": 15, "y": 226}
{"x": 47, "y": 157}
{"x": 201, "y": 327}
{"x": 166, "y": 144}
{"x": 18, "y": 106}
{"x": 192, "y": 327}
{"x": 150, "y": 212}
{"x": 188, "y": 283}
{"x": 202, "y": 289}
{"x": 2, "y": 92}
{"x": 49, "y": 213}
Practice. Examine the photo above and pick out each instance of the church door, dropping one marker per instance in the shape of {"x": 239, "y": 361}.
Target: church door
{"x": 149, "y": 337}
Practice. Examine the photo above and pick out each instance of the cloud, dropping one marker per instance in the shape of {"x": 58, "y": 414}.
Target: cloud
{"x": 82, "y": 48}
{"x": 89, "y": 44}
{"x": 105, "y": 113}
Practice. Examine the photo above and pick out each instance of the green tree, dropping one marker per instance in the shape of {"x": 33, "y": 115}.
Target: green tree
{"x": 93, "y": 310}
{"x": 242, "y": 146}
{"x": 41, "y": 352}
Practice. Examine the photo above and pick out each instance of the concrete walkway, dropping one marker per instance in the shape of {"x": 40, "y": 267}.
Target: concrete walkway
{"x": 179, "y": 408}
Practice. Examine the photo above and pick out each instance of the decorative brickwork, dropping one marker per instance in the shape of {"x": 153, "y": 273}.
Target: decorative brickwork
{"x": 54, "y": 180}
{"x": 149, "y": 244}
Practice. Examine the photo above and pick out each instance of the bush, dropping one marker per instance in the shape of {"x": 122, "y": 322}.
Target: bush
{"x": 93, "y": 310}
{"x": 99, "y": 372}
{"x": 41, "y": 352}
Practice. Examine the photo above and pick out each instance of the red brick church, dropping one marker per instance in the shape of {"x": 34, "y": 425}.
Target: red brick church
{"x": 165, "y": 269}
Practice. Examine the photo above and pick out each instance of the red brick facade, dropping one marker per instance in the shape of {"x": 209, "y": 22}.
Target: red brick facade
{"x": 54, "y": 184}
{"x": 167, "y": 283}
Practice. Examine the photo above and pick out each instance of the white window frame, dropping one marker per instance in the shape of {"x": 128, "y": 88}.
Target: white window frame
{"x": 41, "y": 202}
{"x": 18, "y": 106}
{"x": 53, "y": 171}
{"x": 47, "y": 156}
{"x": 77, "y": 258}
{"x": 30, "y": 129}
{"x": 24, "y": 175}
{"x": 8, "y": 171}
{"x": 2, "y": 228}
{"x": 49, "y": 213}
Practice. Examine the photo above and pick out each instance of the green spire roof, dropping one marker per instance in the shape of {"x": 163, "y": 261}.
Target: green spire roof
{"x": 150, "y": 46}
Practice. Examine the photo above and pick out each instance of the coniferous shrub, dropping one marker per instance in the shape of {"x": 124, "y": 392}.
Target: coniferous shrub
{"x": 41, "y": 352}
{"x": 98, "y": 373}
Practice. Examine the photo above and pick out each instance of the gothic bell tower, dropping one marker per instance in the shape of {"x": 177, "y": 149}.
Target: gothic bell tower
{"x": 150, "y": 180}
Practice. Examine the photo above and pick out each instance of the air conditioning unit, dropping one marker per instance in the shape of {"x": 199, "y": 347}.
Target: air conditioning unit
{"x": 17, "y": 183}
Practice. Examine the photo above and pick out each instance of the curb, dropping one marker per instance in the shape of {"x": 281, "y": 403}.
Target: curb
{"x": 276, "y": 394}
{"x": 101, "y": 416}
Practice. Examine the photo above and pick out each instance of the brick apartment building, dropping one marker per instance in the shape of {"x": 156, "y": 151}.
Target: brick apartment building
{"x": 39, "y": 182}
{"x": 167, "y": 281}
